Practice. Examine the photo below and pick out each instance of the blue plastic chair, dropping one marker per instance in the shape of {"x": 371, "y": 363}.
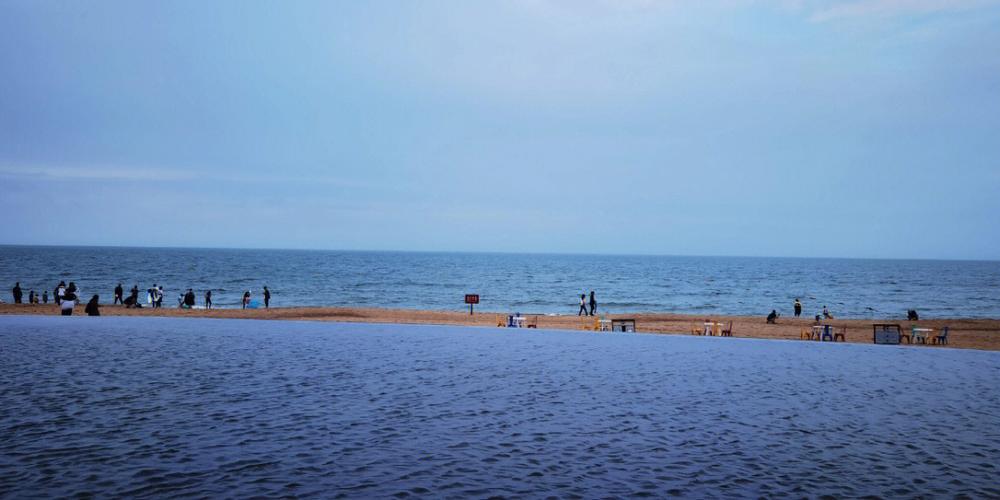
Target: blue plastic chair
{"x": 827, "y": 333}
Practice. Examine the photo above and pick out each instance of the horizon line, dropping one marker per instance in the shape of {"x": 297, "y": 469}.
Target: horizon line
{"x": 490, "y": 252}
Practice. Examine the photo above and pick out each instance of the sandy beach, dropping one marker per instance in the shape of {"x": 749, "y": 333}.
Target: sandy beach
{"x": 965, "y": 333}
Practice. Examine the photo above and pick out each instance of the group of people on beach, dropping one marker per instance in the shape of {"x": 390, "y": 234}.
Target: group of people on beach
{"x": 797, "y": 309}
{"x": 66, "y": 296}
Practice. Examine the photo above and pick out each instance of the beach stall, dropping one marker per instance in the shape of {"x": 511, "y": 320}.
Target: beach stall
{"x": 884, "y": 333}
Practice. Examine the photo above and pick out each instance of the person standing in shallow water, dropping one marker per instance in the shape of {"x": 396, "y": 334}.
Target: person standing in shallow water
{"x": 593, "y": 303}
{"x": 18, "y": 294}
{"x": 798, "y": 308}
{"x": 267, "y": 298}
{"x": 45, "y": 296}
{"x": 208, "y": 299}
{"x": 583, "y": 305}
{"x": 246, "y": 299}
{"x": 119, "y": 292}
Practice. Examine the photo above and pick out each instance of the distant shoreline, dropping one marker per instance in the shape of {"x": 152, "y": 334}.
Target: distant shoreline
{"x": 983, "y": 334}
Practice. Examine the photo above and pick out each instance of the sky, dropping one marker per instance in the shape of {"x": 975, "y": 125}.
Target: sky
{"x": 864, "y": 128}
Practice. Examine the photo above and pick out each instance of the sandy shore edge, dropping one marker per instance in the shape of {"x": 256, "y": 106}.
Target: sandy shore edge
{"x": 965, "y": 333}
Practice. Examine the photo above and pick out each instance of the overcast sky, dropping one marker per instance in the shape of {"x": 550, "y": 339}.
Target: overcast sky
{"x": 867, "y": 128}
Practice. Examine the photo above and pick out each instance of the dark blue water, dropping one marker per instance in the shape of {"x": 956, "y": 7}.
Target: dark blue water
{"x": 527, "y": 283}
{"x": 125, "y": 407}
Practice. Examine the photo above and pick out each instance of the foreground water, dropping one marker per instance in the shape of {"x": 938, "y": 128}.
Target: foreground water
{"x": 159, "y": 406}
{"x": 527, "y": 283}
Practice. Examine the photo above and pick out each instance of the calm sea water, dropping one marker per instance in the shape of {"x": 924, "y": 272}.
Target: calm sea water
{"x": 526, "y": 283}
{"x": 166, "y": 407}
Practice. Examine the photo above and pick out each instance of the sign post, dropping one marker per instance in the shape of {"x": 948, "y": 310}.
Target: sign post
{"x": 471, "y": 299}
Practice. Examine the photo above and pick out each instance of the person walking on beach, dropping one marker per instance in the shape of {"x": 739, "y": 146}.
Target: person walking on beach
{"x": 119, "y": 292}
{"x": 67, "y": 301}
{"x": 583, "y": 305}
{"x": 798, "y": 308}
{"x": 267, "y": 298}
{"x": 58, "y": 293}
{"x": 208, "y": 299}
{"x": 246, "y": 298}
{"x": 92, "y": 307}
{"x": 593, "y": 303}
{"x": 45, "y": 296}
{"x": 18, "y": 294}
{"x": 159, "y": 297}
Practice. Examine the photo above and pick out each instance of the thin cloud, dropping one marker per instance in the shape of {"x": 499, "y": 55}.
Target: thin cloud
{"x": 893, "y": 8}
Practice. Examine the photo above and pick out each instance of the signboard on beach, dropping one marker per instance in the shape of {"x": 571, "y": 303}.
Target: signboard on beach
{"x": 471, "y": 299}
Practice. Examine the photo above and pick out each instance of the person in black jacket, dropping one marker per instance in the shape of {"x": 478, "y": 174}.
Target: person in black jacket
{"x": 18, "y": 294}
{"x": 189, "y": 299}
{"x": 119, "y": 292}
{"x": 267, "y": 298}
{"x": 593, "y": 303}
{"x": 92, "y": 307}
{"x": 208, "y": 299}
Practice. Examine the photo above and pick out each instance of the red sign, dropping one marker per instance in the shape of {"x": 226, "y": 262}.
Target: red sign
{"x": 471, "y": 299}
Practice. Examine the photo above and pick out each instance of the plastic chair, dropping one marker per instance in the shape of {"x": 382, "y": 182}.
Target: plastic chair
{"x": 697, "y": 330}
{"x": 902, "y": 335}
{"x": 827, "y": 333}
{"x": 841, "y": 334}
{"x": 728, "y": 332}
{"x": 534, "y": 322}
{"x": 500, "y": 322}
{"x": 942, "y": 337}
{"x": 805, "y": 334}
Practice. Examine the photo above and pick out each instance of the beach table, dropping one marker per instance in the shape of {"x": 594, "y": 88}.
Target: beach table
{"x": 710, "y": 327}
{"x": 922, "y": 334}
{"x": 519, "y": 321}
{"x": 817, "y": 331}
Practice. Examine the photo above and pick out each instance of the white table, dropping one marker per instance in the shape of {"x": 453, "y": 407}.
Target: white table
{"x": 709, "y": 328}
{"x": 519, "y": 321}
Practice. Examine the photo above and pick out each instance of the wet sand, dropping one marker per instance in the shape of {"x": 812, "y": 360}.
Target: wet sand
{"x": 965, "y": 333}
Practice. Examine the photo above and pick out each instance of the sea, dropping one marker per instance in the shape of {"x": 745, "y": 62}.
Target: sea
{"x": 527, "y": 283}
{"x": 146, "y": 407}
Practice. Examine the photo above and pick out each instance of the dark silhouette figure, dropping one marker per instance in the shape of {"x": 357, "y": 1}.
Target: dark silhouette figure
{"x": 189, "y": 299}
{"x": 45, "y": 296}
{"x": 18, "y": 294}
{"x": 773, "y": 317}
{"x": 246, "y": 298}
{"x": 583, "y": 305}
{"x": 31, "y": 297}
{"x": 92, "y": 307}
{"x": 134, "y": 293}
{"x": 798, "y": 308}
{"x": 912, "y": 315}
{"x": 267, "y": 298}
{"x": 208, "y": 299}
{"x": 593, "y": 303}
{"x": 119, "y": 292}
{"x": 159, "y": 296}
{"x": 826, "y": 313}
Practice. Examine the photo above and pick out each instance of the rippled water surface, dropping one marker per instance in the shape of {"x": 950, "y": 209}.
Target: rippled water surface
{"x": 159, "y": 406}
{"x": 519, "y": 282}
